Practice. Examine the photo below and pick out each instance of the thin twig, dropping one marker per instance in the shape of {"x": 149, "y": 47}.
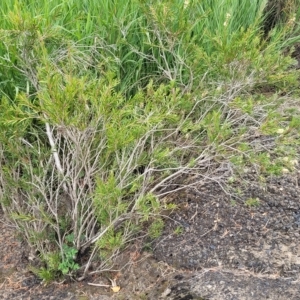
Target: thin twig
{"x": 101, "y": 285}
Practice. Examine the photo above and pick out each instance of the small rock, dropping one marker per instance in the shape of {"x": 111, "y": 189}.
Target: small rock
{"x": 166, "y": 293}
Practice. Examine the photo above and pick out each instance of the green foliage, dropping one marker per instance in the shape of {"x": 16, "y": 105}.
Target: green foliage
{"x": 49, "y": 272}
{"x": 110, "y": 242}
{"x": 178, "y": 230}
{"x": 108, "y": 200}
{"x": 252, "y": 202}
{"x": 56, "y": 263}
{"x": 68, "y": 264}
{"x": 45, "y": 274}
{"x": 148, "y": 205}
{"x": 156, "y": 228}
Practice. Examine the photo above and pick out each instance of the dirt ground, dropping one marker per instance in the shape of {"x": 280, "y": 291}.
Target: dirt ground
{"x": 215, "y": 246}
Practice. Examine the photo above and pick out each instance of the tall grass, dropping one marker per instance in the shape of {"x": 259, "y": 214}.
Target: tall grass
{"x": 108, "y": 106}
{"x": 140, "y": 40}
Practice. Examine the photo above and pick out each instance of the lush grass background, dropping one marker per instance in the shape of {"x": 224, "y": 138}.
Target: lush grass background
{"x": 106, "y": 107}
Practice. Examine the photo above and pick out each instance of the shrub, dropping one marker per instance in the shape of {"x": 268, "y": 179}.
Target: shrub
{"x": 101, "y": 117}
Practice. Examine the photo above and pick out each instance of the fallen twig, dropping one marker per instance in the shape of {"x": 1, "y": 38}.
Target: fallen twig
{"x": 101, "y": 285}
